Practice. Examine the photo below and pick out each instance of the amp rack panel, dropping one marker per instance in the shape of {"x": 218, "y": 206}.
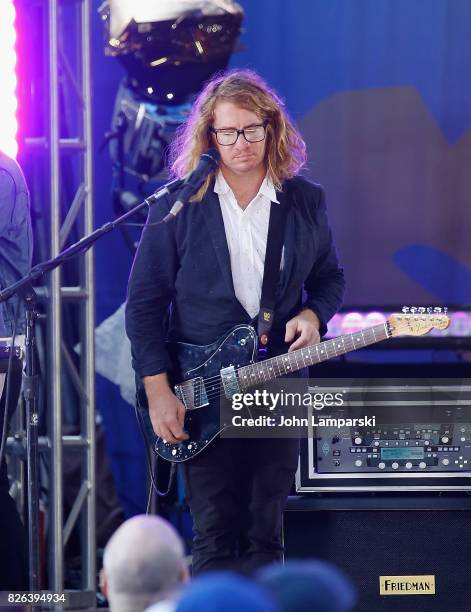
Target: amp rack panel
{"x": 404, "y": 436}
{"x": 420, "y": 447}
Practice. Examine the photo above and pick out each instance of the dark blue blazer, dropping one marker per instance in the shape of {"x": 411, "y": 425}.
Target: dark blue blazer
{"x": 181, "y": 281}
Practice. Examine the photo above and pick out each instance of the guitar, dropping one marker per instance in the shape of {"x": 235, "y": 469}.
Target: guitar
{"x": 228, "y": 366}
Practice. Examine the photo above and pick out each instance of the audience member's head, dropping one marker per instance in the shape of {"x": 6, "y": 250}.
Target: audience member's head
{"x": 308, "y": 585}
{"x": 143, "y": 563}
{"x": 224, "y": 592}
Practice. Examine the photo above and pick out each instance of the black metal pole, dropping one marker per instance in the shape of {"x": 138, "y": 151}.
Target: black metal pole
{"x": 30, "y": 392}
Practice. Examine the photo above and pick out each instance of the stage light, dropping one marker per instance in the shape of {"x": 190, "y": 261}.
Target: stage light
{"x": 375, "y": 318}
{"x": 168, "y": 48}
{"x": 145, "y": 132}
{"x": 170, "y": 45}
{"x": 460, "y": 324}
{"x": 354, "y": 321}
{"x": 123, "y": 12}
{"x": 8, "y": 103}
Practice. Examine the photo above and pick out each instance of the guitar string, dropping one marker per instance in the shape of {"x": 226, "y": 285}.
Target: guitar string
{"x": 305, "y": 352}
{"x": 326, "y": 346}
{"x": 329, "y": 343}
{"x": 215, "y": 391}
{"x": 273, "y": 359}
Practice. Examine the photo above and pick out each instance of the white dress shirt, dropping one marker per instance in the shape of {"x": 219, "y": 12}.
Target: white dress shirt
{"x": 246, "y": 235}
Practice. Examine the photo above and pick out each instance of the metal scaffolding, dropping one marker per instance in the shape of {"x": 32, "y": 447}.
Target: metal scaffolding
{"x": 66, "y": 25}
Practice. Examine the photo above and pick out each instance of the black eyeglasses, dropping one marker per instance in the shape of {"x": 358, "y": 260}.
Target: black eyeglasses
{"x": 229, "y": 136}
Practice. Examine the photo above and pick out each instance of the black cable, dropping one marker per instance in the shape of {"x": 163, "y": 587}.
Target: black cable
{"x": 173, "y": 466}
{"x": 143, "y": 224}
{"x": 149, "y": 499}
{"x": 8, "y": 383}
{"x": 139, "y": 224}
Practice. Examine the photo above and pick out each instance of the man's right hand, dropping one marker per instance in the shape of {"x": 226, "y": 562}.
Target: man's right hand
{"x": 166, "y": 411}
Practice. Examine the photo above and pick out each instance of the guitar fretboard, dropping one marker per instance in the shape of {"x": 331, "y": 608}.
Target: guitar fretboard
{"x": 275, "y": 367}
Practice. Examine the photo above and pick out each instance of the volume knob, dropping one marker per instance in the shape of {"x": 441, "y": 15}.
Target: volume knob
{"x": 358, "y": 462}
{"x": 358, "y": 440}
{"x": 445, "y": 439}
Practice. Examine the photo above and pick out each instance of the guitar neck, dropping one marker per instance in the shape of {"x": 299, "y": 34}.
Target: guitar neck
{"x": 275, "y": 367}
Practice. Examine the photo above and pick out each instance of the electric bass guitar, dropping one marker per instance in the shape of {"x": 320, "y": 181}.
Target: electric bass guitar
{"x": 229, "y": 366}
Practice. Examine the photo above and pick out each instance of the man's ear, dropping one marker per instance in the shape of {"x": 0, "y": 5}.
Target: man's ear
{"x": 103, "y": 582}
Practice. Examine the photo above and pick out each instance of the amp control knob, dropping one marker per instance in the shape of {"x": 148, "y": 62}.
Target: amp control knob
{"x": 395, "y": 465}
{"x": 376, "y": 443}
{"x": 422, "y": 465}
{"x": 445, "y": 439}
{"x": 445, "y": 461}
{"x": 358, "y": 440}
{"x": 408, "y": 465}
{"x": 381, "y": 465}
{"x": 358, "y": 462}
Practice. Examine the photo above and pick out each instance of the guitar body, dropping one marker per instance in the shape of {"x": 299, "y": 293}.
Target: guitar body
{"x": 198, "y": 370}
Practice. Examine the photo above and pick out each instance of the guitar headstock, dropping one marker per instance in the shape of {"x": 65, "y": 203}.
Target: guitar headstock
{"x": 415, "y": 321}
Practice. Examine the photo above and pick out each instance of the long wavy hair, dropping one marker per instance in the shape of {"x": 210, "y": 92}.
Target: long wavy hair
{"x": 285, "y": 151}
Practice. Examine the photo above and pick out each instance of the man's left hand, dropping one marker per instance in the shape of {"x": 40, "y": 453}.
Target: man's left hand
{"x": 305, "y": 326}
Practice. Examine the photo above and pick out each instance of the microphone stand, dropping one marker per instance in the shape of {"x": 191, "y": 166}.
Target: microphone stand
{"x": 24, "y": 289}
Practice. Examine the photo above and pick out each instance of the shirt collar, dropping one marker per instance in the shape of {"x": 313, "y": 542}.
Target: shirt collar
{"x": 267, "y": 188}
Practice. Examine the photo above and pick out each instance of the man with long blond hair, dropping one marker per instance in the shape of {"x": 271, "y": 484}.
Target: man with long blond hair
{"x": 206, "y": 268}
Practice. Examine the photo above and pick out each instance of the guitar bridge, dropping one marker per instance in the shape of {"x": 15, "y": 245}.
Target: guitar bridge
{"x": 192, "y": 393}
{"x": 229, "y": 381}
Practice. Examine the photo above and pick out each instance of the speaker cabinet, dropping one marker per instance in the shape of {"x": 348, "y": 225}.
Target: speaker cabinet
{"x": 372, "y": 537}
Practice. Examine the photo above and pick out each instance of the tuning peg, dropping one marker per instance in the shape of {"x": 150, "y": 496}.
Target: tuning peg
{"x": 405, "y": 309}
{"x": 429, "y": 310}
{"x": 437, "y": 310}
{"x": 445, "y": 309}
{"x": 421, "y": 310}
{"x": 413, "y": 309}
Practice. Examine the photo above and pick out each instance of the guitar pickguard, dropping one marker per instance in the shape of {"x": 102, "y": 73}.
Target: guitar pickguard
{"x": 201, "y": 390}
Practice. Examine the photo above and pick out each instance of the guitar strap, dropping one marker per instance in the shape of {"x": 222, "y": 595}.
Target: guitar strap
{"x": 271, "y": 272}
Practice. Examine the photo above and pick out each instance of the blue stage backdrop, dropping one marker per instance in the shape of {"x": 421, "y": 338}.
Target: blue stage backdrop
{"x": 381, "y": 92}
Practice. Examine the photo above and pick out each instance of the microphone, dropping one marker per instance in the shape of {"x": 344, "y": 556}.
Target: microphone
{"x": 207, "y": 163}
